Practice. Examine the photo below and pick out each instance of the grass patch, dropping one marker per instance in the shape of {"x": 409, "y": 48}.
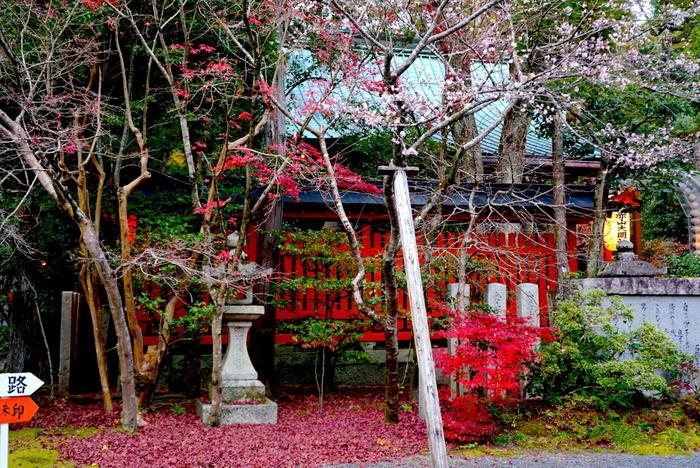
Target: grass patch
{"x": 471, "y": 451}
{"x": 35, "y": 447}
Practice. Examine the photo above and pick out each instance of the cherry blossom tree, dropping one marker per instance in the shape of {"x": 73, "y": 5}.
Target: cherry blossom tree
{"x": 363, "y": 63}
{"x": 50, "y": 124}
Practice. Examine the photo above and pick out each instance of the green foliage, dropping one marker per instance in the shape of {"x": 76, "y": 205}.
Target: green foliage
{"x": 661, "y": 212}
{"x": 657, "y": 251}
{"x": 325, "y": 253}
{"x": 586, "y": 358}
{"x": 367, "y": 151}
{"x": 150, "y": 304}
{"x": 325, "y": 333}
{"x": 193, "y": 323}
{"x": 318, "y": 246}
{"x": 322, "y": 252}
{"x": 406, "y": 408}
{"x": 684, "y": 265}
{"x": 197, "y": 318}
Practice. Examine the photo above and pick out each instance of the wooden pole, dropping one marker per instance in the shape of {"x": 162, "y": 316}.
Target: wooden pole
{"x": 637, "y": 231}
{"x": 559, "y": 201}
{"x": 419, "y": 317}
{"x": 4, "y": 445}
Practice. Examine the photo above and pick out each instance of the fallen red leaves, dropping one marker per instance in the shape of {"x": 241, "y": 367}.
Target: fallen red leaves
{"x": 350, "y": 430}
{"x": 60, "y": 412}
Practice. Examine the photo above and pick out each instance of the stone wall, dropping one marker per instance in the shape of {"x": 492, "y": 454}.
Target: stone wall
{"x": 672, "y": 304}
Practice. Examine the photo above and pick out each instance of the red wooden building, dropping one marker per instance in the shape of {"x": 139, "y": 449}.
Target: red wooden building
{"x": 526, "y": 256}
{"x": 514, "y": 258}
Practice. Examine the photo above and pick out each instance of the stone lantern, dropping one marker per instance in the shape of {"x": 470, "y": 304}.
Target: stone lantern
{"x": 628, "y": 265}
{"x": 243, "y": 395}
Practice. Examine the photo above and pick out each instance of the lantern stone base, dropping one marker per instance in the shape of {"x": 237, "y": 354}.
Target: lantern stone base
{"x": 237, "y": 390}
{"x": 264, "y": 412}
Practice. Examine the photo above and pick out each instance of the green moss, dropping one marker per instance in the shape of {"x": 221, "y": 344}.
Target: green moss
{"x": 534, "y": 429}
{"x": 36, "y": 457}
{"x": 618, "y": 434}
{"x": 488, "y": 451}
{"x": 37, "y": 448}
{"x": 31, "y": 448}
{"x": 656, "y": 429}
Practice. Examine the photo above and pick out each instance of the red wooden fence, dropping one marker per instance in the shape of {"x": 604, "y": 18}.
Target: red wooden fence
{"x": 513, "y": 259}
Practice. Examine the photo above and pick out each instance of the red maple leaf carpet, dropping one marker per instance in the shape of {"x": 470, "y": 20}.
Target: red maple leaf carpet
{"x": 351, "y": 429}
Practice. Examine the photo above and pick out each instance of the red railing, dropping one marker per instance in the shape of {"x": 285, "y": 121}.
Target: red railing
{"x": 512, "y": 259}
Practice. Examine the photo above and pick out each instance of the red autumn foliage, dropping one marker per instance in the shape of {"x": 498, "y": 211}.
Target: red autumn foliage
{"x": 351, "y": 429}
{"x": 132, "y": 227}
{"x": 466, "y": 418}
{"x": 95, "y": 4}
{"x": 60, "y": 412}
{"x": 304, "y": 166}
{"x": 628, "y": 197}
{"x": 490, "y": 358}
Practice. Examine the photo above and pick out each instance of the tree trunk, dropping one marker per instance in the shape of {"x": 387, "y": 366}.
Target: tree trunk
{"x": 60, "y": 194}
{"x": 391, "y": 393}
{"x": 511, "y": 148}
{"x": 124, "y": 350}
{"x": 24, "y": 354}
{"x": 262, "y": 333}
{"x": 148, "y": 370}
{"x": 214, "y": 419}
{"x": 391, "y": 298}
{"x": 129, "y": 300}
{"x": 465, "y": 129}
{"x": 595, "y": 246}
{"x": 560, "y": 234}
{"x": 89, "y": 285}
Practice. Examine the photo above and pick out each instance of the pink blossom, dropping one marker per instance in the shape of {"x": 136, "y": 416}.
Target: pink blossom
{"x": 225, "y": 255}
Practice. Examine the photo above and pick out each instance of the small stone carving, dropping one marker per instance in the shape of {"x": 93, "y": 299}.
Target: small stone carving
{"x": 232, "y": 242}
{"x": 628, "y": 265}
{"x": 232, "y": 239}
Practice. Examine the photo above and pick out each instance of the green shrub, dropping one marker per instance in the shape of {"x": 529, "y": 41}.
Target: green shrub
{"x": 684, "y": 265}
{"x": 586, "y": 358}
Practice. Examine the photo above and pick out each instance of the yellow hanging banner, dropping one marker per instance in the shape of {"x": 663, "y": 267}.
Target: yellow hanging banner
{"x": 617, "y": 227}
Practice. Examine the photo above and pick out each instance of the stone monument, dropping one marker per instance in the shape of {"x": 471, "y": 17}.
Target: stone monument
{"x": 243, "y": 395}
{"x": 672, "y": 304}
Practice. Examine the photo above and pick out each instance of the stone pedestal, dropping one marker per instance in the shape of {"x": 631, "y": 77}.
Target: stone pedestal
{"x": 243, "y": 395}
{"x": 527, "y": 300}
{"x": 264, "y": 412}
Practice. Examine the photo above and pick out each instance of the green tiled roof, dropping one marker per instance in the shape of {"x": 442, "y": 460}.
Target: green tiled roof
{"x": 426, "y": 75}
